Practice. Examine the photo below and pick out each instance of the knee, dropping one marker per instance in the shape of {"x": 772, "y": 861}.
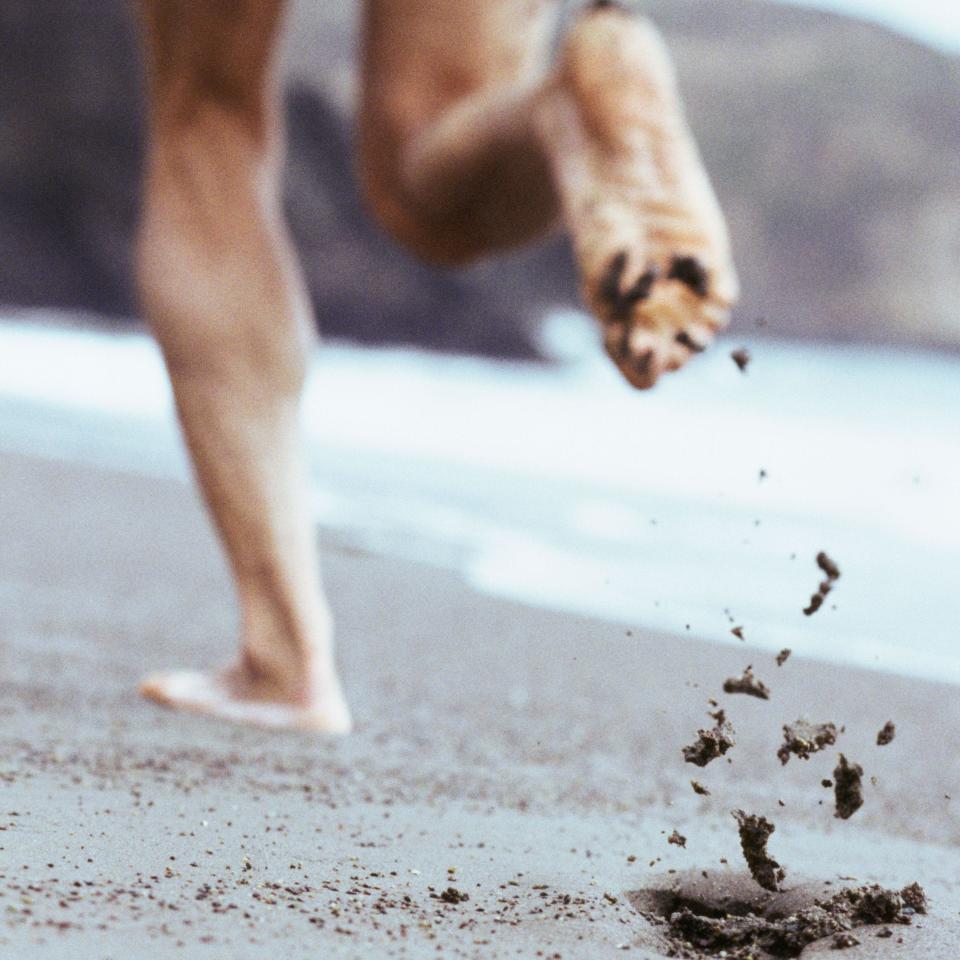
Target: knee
{"x": 444, "y": 237}
{"x": 445, "y": 243}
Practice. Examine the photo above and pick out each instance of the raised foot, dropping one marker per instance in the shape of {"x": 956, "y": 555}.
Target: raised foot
{"x": 649, "y": 236}
{"x": 225, "y": 696}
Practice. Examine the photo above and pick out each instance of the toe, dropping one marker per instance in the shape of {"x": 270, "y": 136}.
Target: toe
{"x": 615, "y": 340}
{"x": 692, "y": 344}
{"x": 646, "y": 358}
{"x": 154, "y": 688}
{"x": 188, "y": 689}
{"x": 695, "y": 336}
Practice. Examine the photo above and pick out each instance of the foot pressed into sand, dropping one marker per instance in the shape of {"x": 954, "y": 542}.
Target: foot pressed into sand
{"x": 237, "y": 695}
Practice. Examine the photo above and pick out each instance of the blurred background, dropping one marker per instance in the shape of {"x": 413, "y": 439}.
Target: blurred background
{"x": 834, "y": 144}
{"x": 832, "y": 133}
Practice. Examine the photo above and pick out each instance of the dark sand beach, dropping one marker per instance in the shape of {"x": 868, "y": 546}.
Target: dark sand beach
{"x": 527, "y": 759}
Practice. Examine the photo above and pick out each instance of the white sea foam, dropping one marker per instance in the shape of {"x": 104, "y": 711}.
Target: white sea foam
{"x": 560, "y": 486}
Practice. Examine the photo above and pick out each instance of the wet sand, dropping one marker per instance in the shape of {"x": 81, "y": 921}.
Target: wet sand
{"x": 516, "y": 755}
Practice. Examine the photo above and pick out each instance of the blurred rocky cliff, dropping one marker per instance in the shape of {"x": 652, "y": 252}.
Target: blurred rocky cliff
{"x": 834, "y": 145}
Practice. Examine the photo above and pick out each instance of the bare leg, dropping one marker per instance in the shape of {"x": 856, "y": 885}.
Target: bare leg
{"x": 482, "y": 144}
{"x": 448, "y": 154}
{"x": 223, "y": 295}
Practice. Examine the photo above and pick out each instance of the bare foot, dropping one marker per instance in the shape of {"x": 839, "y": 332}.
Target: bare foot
{"x": 649, "y": 236}
{"x": 237, "y": 695}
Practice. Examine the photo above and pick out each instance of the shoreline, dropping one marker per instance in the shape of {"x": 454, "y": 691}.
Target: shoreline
{"x": 563, "y": 489}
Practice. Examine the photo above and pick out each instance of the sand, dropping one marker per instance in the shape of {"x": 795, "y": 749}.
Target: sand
{"x": 527, "y": 759}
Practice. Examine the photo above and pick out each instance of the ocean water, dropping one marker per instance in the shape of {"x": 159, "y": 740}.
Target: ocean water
{"x": 560, "y": 486}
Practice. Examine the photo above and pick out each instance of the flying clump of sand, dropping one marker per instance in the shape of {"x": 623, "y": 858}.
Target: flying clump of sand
{"x": 695, "y": 930}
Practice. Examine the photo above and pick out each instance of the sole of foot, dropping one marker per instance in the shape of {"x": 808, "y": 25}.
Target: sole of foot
{"x": 650, "y": 239}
